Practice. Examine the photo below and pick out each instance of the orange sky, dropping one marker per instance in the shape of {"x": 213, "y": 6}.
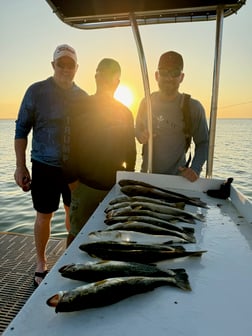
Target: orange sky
{"x": 30, "y": 33}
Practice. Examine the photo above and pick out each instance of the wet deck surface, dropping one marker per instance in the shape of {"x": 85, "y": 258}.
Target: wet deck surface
{"x": 17, "y": 264}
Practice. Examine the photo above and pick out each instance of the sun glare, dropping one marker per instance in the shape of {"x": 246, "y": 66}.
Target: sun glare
{"x": 124, "y": 95}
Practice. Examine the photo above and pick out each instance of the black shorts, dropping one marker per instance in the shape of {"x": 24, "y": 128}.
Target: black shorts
{"x": 47, "y": 187}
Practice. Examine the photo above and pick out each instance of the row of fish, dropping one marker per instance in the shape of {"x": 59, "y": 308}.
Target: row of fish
{"x": 155, "y": 219}
{"x": 115, "y": 279}
{"x": 165, "y": 212}
{"x": 125, "y": 279}
{"x": 141, "y": 231}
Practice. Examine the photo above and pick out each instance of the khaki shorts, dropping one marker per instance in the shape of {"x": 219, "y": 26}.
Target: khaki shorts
{"x": 84, "y": 201}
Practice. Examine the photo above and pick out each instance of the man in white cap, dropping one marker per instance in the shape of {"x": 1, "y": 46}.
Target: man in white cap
{"x": 45, "y": 110}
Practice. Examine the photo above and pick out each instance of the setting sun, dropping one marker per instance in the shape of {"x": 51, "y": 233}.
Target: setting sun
{"x": 124, "y": 95}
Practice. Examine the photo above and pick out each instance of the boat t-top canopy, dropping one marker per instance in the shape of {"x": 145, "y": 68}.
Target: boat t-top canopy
{"x": 110, "y": 13}
{"x": 93, "y": 14}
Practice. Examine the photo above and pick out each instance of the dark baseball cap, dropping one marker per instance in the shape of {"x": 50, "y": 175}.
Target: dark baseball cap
{"x": 171, "y": 59}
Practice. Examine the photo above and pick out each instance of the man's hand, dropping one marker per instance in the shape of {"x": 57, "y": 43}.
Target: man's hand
{"x": 188, "y": 173}
{"x": 22, "y": 177}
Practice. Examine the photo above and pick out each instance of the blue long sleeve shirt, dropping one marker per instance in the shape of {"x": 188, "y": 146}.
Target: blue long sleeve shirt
{"x": 44, "y": 110}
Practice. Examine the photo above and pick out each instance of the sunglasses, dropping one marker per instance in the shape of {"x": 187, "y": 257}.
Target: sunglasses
{"x": 169, "y": 73}
{"x": 68, "y": 66}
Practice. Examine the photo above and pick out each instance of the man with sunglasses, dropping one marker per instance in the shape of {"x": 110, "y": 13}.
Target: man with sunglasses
{"x": 45, "y": 110}
{"x": 169, "y": 140}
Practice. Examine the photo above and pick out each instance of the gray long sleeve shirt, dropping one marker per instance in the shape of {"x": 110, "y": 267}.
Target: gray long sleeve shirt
{"x": 168, "y": 135}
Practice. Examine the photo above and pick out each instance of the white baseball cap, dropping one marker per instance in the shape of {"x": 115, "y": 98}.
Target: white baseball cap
{"x": 65, "y": 50}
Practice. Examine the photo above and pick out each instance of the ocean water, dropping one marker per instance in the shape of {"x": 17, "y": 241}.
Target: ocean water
{"x": 232, "y": 158}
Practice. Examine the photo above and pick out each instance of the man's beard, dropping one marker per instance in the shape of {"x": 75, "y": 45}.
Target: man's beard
{"x": 168, "y": 89}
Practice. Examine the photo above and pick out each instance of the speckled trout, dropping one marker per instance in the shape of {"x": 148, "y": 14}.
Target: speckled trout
{"x": 129, "y": 251}
{"x": 99, "y": 270}
{"x": 134, "y": 236}
{"x": 152, "y": 229}
{"x": 126, "y": 199}
{"x": 105, "y": 292}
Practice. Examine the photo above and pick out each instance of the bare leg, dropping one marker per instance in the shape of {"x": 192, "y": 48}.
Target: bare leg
{"x": 41, "y": 235}
{"x": 71, "y": 237}
{"x": 67, "y": 217}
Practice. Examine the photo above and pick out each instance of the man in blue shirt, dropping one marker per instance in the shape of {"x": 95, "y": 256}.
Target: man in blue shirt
{"x": 169, "y": 138}
{"x": 45, "y": 110}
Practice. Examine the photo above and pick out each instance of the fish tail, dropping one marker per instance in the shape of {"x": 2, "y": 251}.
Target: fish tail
{"x": 190, "y": 237}
{"x": 201, "y": 217}
{"x": 182, "y": 281}
{"x": 198, "y": 202}
{"x": 180, "y": 205}
{"x": 188, "y": 220}
{"x": 188, "y": 230}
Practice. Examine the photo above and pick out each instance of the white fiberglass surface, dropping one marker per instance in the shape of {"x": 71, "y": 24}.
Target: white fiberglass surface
{"x": 219, "y": 303}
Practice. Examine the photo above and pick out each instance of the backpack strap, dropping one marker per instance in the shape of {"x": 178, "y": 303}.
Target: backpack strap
{"x": 187, "y": 121}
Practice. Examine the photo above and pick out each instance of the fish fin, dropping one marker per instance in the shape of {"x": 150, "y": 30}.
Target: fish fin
{"x": 168, "y": 242}
{"x": 178, "y": 248}
{"x": 138, "y": 207}
{"x": 189, "y": 236}
{"x": 186, "y": 219}
{"x": 63, "y": 268}
{"x": 178, "y": 270}
{"x": 91, "y": 254}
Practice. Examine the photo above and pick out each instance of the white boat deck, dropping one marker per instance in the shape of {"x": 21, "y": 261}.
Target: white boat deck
{"x": 220, "y": 301}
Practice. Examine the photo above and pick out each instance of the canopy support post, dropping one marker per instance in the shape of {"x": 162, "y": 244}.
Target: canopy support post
{"x": 146, "y": 85}
{"x": 215, "y": 90}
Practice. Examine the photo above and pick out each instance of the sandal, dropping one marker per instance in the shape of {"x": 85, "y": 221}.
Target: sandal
{"x": 39, "y": 275}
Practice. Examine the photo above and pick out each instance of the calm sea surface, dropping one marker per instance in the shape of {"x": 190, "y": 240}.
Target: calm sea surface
{"x": 232, "y": 158}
